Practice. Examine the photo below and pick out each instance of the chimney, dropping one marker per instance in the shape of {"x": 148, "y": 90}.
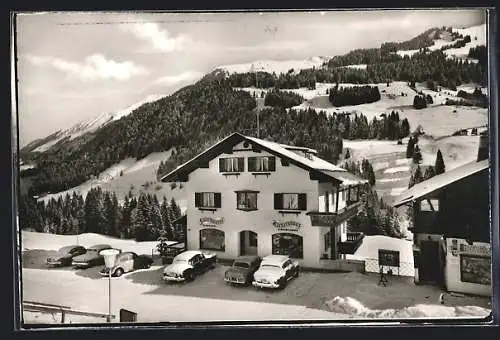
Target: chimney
{"x": 483, "y": 151}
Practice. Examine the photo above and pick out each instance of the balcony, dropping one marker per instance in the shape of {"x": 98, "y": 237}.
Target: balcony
{"x": 354, "y": 240}
{"x": 329, "y": 219}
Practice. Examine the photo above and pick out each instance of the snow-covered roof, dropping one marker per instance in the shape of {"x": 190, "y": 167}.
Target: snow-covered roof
{"x": 346, "y": 177}
{"x": 314, "y": 162}
{"x": 309, "y": 162}
{"x": 435, "y": 183}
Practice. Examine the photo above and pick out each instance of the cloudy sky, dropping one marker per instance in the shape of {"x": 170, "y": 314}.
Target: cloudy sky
{"x": 74, "y": 66}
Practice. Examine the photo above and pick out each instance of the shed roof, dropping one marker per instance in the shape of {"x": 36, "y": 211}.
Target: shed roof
{"x": 422, "y": 189}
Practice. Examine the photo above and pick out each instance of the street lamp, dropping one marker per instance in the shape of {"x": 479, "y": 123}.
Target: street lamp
{"x": 109, "y": 260}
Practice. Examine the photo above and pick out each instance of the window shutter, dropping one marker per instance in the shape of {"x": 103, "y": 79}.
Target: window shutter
{"x": 221, "y": 165}
{"x": 302, "y": 201}
{"x": 241, "y": 164}
{"x": 272, "y": 163}
{"x": 217, "y": 199}
{"x": 251, "y": 163}
{"x": 278, "y": 201}
{"x": 198, "y": 200}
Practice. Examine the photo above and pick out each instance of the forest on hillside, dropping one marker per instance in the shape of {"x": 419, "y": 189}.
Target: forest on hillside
{"x": 143, "y": 218}
{"x": 419, "y": 67}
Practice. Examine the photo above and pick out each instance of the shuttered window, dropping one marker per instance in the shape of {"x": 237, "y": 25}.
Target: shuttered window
{"x": 232, "y": 164}
{"x": 262, "y": 164}
{"x": 290, "y": 201}
{"x": 207, "y": 200}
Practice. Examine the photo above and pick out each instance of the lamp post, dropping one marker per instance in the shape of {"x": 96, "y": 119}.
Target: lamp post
{"x": 109, "y": 260}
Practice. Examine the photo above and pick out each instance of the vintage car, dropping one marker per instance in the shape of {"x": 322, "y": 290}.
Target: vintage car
{"x": 275, "y": 271}
{"x": 127, "y": 262}
{"x": 91, "y": 258}
{"x": 188, "y": 264}
{"x": 242, "y": 270}
{"x": 64, "y": 256}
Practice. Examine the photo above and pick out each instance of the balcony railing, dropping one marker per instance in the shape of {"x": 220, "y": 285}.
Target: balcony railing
{"x": 329, "y": 219}
{"x": 354, "y": 240}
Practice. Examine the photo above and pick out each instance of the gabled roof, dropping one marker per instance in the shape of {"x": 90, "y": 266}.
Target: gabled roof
{"x": 422, "y": 189}
{"x": 313, "y": 163}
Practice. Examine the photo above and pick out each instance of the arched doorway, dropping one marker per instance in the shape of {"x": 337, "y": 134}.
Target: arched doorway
{"x": 248, "y": 242}
{"x": 288, "y": 244}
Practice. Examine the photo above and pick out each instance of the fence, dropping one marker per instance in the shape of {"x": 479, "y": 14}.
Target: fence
{"x": 404, "y": 269}
{"x": 30, "y": 306}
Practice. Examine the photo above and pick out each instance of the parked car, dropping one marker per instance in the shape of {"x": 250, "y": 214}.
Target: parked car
{"x": 64, "y": 256}
{"x": 275, "y": 271}
{"x": 187, "y": 265}
{"x": 242, "y": 270}
{"x": 127, "y": 262}
{"x": 91, "y": 258}
{"x": 172, "y": 250}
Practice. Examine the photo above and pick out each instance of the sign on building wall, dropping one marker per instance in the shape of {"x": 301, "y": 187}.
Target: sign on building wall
{"x": 287, "y": 225}
{"x": 388, "y": 258}
{"x": 211, "y": 221}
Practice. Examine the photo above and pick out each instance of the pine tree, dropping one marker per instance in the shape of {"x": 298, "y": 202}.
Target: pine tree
{"x": 429, "y": 172}
{"x": 439, "y": 166}
{"x": 410, "y": 148}
{"x": 417, "y": 155}
{"x": 347, "y": 154}
{"x": 417, "y": 175}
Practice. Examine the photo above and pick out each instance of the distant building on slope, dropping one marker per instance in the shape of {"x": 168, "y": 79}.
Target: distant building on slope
{"x": 451, "y": 227}
{"x": 248, "y": 196}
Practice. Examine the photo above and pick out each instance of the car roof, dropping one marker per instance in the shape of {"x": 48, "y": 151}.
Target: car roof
{"x": 186, "y": 255}
{"x": 125, "y": 253}
{"x": 276, "y": 259}
{"x": 67, "y": 248}
{"x": 100, "y": 246}
{"x": 246, "y": 258}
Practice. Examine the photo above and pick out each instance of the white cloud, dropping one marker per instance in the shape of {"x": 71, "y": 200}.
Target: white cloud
{"x": 159, "y": 38}
{"x": 182, "y": 77}
{"x": 383, "y": 23}
{"x": 94, "y": 67}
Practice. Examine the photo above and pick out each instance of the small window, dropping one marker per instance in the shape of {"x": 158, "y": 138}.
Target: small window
{"x": 429, "y": 205}
{"x": 212, "y": 239}
{"x": 246, "y": 200}
{"x": 207, "y": 200}
{"x": 290, "y": 201}
{"x": 232, "y": 164}
{"x": 262, "y": 164}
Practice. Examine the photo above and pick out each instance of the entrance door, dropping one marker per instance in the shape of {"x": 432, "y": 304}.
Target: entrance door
{"x": 429, "y": 270}
{"x": 248, "y": 243}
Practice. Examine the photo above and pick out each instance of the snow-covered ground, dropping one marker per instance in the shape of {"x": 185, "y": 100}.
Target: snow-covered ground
{"x": 135, "y": 174}
{"x": 356, "y": 309}
{"x": 476, "y": 33}
{"x": 277, "y": 66}
{"x": 95, "y": 123}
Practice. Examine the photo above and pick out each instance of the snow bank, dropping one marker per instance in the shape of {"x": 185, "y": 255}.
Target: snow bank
{"x": 351, "y": 306}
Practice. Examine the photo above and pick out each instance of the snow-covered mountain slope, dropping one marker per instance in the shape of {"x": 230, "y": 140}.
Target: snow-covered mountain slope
{"x": 278, "y": 67}
{"x": 476, "y": 33}
{"x": 94, "y": 123}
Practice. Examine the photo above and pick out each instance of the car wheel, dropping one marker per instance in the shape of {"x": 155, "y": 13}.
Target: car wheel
{"x": 296, "y": 273}
{"x": 118, "y": 272}
{"x": 282, "y": 283}
{"x": 190, "y": 276}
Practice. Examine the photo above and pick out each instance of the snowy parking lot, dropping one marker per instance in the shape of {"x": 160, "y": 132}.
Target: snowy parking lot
{"x": 208, "y": 298}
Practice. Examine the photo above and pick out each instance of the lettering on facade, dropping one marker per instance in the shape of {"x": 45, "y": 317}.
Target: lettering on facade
{"x": 287, "y": 225}
{"x": 211, "y": 221}
{"x": 464, "y": 248}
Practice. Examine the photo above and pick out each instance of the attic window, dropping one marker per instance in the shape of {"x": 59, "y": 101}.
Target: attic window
{"x": 308, "y": 155}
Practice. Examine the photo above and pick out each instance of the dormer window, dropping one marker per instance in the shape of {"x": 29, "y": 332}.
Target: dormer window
{"x": 262, "y": 164}
{"x": 308, "y": 155}
{"x": 232, "y": 164}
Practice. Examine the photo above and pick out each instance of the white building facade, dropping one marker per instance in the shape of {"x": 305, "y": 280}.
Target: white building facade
{"x": 247, "y": 196}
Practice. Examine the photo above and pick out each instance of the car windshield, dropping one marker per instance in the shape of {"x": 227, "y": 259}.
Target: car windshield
{"x": 271, "y": 266}
{"x": 241, "y": 265}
